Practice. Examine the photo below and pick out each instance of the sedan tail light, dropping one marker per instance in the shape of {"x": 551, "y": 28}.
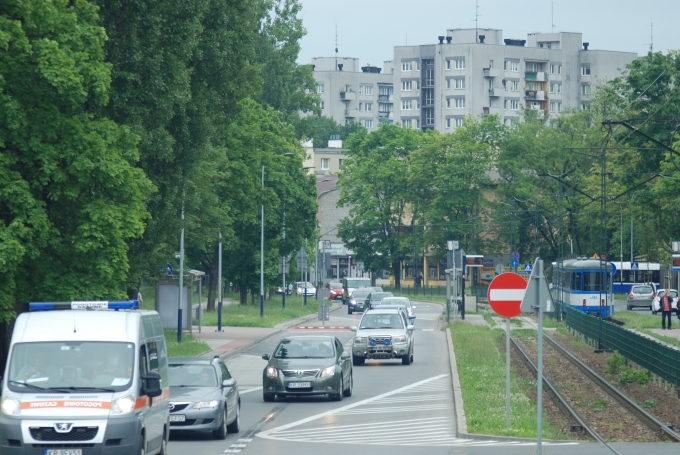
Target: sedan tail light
{"x": 631, "y": 295}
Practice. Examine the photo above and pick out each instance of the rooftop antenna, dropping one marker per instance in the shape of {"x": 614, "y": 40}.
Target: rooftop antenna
{"x": 651, "y": 37}
{"x": 336, "y": 47}
{"x": 476, "y": 21}
{"x": 552, "y": 18}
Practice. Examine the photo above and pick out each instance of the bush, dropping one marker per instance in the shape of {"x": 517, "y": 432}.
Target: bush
{"x": 615, "y": 363}
{"x": 630, "y": 375}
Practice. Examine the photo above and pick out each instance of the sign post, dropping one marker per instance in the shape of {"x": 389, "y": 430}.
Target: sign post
{"x": 505, "y": 295}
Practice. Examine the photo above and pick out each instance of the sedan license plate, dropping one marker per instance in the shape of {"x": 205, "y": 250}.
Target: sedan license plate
{"x": 63, "y": 452}
{"x": 178, "y": 418}
{"x": 299, "y": 385}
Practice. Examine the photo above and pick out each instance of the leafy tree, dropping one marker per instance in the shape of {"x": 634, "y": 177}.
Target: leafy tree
{"x": 70, "y": 195}
{"x": 320, "y": 128}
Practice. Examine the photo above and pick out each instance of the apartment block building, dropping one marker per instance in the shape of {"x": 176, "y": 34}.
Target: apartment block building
{"x": 352, "y": 94}
{"x": 477, "y": 71}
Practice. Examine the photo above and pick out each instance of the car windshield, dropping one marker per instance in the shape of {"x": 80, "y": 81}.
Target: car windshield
{"x": 335, "y": 285}
{"x": 378, "y": 296}
{"x": 360, "y": 294}
{"x": 70, "y": 366}
{"x": 192, "y": 375}
{"x": 642, "y": 290}
{"x": 305, "y": 285}
{"x": 304, "y": 349}
{"x": 395, "y": 301}
{"x": 381, "y": 321}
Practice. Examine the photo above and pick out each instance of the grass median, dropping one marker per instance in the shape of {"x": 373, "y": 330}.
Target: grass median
{"x": 481, "y": 368}
{"x": 189, "y": 346}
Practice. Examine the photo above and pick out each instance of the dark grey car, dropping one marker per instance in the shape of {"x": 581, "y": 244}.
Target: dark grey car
{"x": 203, "y": 396}
{"x": 640, "y": 295}
{"x": 374, "y": 298}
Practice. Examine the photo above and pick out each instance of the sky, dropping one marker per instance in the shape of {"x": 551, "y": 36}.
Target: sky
{"x": 369, "y": 29}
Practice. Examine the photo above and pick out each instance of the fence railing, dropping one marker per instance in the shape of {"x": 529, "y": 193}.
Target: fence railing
{"x": 659, "y": 359}
{"x": 479, "y": 291}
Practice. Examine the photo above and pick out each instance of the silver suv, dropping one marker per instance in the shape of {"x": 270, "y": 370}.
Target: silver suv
{"x": 383, "y": 334}
{"x": 640, "y": 295}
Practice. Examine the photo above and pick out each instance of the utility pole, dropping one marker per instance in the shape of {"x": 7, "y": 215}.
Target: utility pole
{"x": 181, "y": 277}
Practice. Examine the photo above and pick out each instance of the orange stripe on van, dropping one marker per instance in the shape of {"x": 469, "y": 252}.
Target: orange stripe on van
{"x": 77, "y": 404}
{"x": 143, "y": 402}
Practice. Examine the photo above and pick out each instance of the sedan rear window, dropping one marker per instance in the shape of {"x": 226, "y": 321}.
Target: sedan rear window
{"x": 642, "y": 290}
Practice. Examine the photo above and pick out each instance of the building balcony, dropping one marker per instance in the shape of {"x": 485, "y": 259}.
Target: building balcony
{"x": 496, "y": 91}
{"x": 538, "y": 95}
{"x": 385, "y": 98}
{"x": 352, "y": 113}
{"x": 491, "y": 110}
{"x": 492, "y": 72}
{"x": 539, "y": 76}
{"x": 348, "y": 96}
{"x": 383, "y": 115}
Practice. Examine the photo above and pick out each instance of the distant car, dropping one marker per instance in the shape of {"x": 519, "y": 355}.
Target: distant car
{"x": 305, "y": 288}
{"x": 356, "y": 300}
{"x": 400, "y": 301}
{"x": 334, "y": 290}
{"x": 306, "y": 366}
{"x": 383, "y": 334}
{"x": 203, "y": 396}
{"x": 640, "y": 295}
{"x": 374, "y": 298}
{"x": 487, "y": 277}
{"x": 376, "y": 288}
{"x": 289, "y": 290}
{"x": 658, "y": 300}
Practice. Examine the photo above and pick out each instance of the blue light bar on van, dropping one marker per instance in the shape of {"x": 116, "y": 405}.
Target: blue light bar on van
{"x": 84, "y": 305}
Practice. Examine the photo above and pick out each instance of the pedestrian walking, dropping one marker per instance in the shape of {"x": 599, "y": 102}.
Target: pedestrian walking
{"x": 666, "y": 302}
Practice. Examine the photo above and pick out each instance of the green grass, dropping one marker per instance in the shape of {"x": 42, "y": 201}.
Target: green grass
{"x": 249, "y": 315}
{"x": 644, "y": 322}
{"x": 188, "y": 347}
{"x": 481, "y": 367}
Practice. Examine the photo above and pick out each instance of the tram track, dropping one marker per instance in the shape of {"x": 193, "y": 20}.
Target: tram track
{"x": 660, "y": 430}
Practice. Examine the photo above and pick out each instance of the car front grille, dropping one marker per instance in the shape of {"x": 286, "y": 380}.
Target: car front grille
{"x": 300, "y": 373}
{"x": 186, "y": 423}
{"x": 174, "y": 407}
{"x": 76, "y": 434}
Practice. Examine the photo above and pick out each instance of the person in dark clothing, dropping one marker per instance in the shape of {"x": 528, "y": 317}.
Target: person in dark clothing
{"x": 666, "y": 302}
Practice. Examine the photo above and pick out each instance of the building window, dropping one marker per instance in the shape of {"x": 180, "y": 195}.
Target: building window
{"x": 368, "y": 123}
{"x": 448, "y": 64}
{"x": 407, "y": 123}
{"x": 460, "y": 103}
{"x": 369, "y": 107}
{"x": 448, "y": 83}
{"x": 490, "y": 63}
{"x": 416, "y": 85}
{"x": 585, "y": 70}
{"x": 385, "y": 90}
{"x": 584, "y": 106}
{"x": 585, "y": 89}
{"x": 559, "y": 69}
{"x": 319, "y": 87}
{"x": 417, "y": 66}
{"x": 385, "y": 107}
{"x": 553, "y": 68}
{"x": 459, "y": 122}
{"x": 429, "y": 117}
{"x": 416, "y": 104}
{"x": 340, "y": 163}
{"x": 416, "y": 123}
{"x": 514, "y": 86}
{"x": 514, "y": 105}
{"x": 552, "y": 88}
{"x": 460, "y": 63}
{"x": 448, "y": 103}
{"x": 406, "y": 86}
{"x": 429, "y": 77}
{"x": 532, "y": 67}
{"x": 552, "y": 107}
{"x": 368, "y": 90}
{"x": 405, "y": 105}
{"x": 533, "y": 86}
{"x": 361, "y": 106}
{"x": 460, "y": 83}
{"x": 429, "y": 97}
{"x": 448, "y": 123}
{"x": 325, "y": 163}
{"x": 406, "y": 66}
{"x": 511, "y": 65}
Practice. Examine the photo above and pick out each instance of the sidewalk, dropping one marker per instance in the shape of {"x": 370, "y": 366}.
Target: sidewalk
{"x": 232, "y": 341}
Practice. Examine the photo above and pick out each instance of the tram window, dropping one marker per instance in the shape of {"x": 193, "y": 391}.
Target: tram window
{"x": 576, "y": 281}
{"x": 595, "y": 281}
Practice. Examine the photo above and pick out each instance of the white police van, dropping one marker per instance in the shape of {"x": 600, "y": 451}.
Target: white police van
{"x": 90, "y": 379}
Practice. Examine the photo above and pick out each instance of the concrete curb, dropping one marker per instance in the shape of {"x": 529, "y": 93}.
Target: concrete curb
{"x": 282, "y": 327}
{"x": 459, "y": 410}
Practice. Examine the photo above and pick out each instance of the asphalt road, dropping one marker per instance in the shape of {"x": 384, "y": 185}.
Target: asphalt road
{"x": 395, "y": 409}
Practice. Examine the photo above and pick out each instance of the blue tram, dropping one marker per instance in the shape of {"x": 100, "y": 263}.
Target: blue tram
{"x": 585, "y": 284}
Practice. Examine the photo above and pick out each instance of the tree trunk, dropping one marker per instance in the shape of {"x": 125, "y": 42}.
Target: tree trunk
{"x": 396, "y": 270}
{"x": 213, "y": 279}
{"x": 243, "y": 295}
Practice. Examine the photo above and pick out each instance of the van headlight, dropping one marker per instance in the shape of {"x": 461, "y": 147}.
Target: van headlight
{"x": 123, "y": 405}
{"x": 272, "y": 372}
{"x": 399, "y": 339}
{"x": 328, "y": 371}
{"x": 359, "y": 340}
{"x": 11, "y": 406}
{"x": 206, "y": 404}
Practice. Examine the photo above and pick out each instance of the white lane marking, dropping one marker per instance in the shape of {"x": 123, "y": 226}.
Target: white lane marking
{"x": 232, "y": 451}
{"x": 440, "y": 396}
{"x": 248, "y": 355}
{"x": 372, "y": 434}
{"x": 370, "y": 425}
{"x": 244, "y": 440}
{"x": 266, "y": 434}
{"x": 394, "y": 409}
{"x": 428, "y": 330}
{"x": 238, "y": 446}
{"x": 421, "y": 318}
{"x": 255, "y": 389}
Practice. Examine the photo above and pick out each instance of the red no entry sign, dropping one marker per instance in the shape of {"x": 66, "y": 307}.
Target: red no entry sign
{"x": 505, "y": 294}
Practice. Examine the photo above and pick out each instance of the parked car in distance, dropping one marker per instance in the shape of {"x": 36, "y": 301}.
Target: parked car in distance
{"x": 658, "y": 300}
{"x": 383, "y": 334}
{"x": 640, "y": 295}
{"x": 203, "y": 396}
{"x": 356, "y": 300}
{"x": 334, "y": 290}
{"x": 400, "y": 301}
{"x": 307, "y": 366}
{"x": 376, "y": 288}
{"x": 487, "y": 277}
{"x": 374, "y": 298}
{"x": 289, "y": 289}
{"x": 305, "y": 288}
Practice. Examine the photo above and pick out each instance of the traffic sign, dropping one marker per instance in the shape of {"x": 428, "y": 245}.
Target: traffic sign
{"x": 514, "y": 264}
{"x": 514, "y": 255}
{"x": 530, "y": 301}
{"x": 527, "y": 268}
{"x": 635, "y": 266}
{"x": 500, "y": 268}
{"x": 505, "y": 294}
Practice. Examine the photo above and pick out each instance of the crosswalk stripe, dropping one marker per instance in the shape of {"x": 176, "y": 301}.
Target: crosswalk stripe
{"x": 393, "y": 424}
{"x": 395, "y": 409}
{"x": 334, "y": 432}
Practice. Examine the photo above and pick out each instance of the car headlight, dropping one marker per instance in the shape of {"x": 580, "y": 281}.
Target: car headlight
{"x": 353, "y": 302}
{"x": 206, "y": 404}
{"x": 328, "y": 371}
{"x": 399, "y": 339}
{"x": 272, "y": 372}
{"x": 359, "y": 340}
{"x": 11, "y": 406}
{"x": 123, "y": 405}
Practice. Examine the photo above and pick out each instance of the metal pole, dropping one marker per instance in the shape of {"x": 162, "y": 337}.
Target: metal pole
{"x": 448, "y": 295}
{"x": 200, "y": 290}
{"x": 621, "y": 254}
{"x": 262, "y": 250}
{"x": 219, "y": 286}
{"x": 462, "y": 289}
{"x": 631, "y": 241}
{"x": 507, "y": 372}
{"x": 539, "y": 394}
{"x": 304, "y": 298}
{"x": 283, "y": 267}
{"x": 181, "y": 277}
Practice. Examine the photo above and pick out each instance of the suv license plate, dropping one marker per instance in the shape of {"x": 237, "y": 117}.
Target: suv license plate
{"x": 63, "y": 452}
{"x": 178, "y": 418}
{"x": 299, "y": 385}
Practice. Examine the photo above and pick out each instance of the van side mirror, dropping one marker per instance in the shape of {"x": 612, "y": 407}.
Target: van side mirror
{"x": 151, "y": 384}
{"x": 265, "y": 356}
{"x": 229, "y": 382}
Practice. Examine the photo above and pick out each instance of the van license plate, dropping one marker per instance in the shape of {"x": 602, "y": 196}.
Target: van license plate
{"x": 63, "y": 452}
{"x": 178, "y": 418}
{"x": 299, "y": 385}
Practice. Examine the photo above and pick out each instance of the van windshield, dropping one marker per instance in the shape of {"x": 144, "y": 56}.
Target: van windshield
{"x": 354, "y": 283}
{"x": 71, "y": 366}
